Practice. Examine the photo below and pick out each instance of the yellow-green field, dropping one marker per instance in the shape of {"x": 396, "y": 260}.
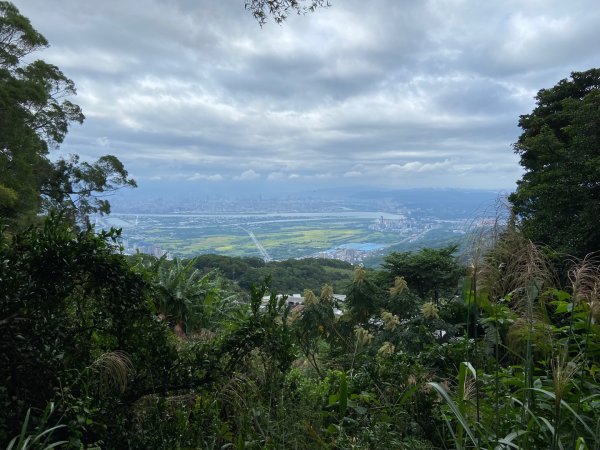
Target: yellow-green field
{"x": 281, "y": 239}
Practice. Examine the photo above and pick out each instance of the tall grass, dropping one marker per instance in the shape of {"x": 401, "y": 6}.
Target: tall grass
{"x": 549, "y": 356}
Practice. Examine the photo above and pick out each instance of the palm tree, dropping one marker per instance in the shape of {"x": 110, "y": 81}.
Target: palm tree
{"x": 181, "y": 290}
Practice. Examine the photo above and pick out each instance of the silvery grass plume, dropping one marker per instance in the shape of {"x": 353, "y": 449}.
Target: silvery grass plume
{"x": 584, "y": 276}
{"x": 113, "y": 369}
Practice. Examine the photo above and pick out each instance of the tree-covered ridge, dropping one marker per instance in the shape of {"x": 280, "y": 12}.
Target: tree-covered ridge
{"x": 289, "y": 276}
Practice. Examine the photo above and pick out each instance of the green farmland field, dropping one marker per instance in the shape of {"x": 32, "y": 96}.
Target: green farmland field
{"x": 282, "y": 236}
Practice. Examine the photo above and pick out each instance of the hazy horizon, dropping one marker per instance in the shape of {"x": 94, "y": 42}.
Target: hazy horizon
{"x": 178, "y": 197}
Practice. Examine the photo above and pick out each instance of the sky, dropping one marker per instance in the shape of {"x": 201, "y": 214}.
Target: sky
{"x": 194, "y": 95}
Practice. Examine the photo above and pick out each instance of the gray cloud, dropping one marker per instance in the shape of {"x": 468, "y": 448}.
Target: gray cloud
{"x": 393, "y": 94}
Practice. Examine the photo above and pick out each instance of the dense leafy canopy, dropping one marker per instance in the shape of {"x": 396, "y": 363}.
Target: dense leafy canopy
{"x": 67, "y": 299}
{"x": 431, "y": 273}
{"x": 558, "y": 198}
{"x": 82, "y": 329}
{"x": 95, "y": 335}
{"x": 290, "y": 276}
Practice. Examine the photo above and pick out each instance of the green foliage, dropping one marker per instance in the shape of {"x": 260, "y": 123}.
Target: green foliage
{"x": 315, "y": 324}
{"x": 257, "y": 375}
{"x": 363, "y": 296}
{"x": 557, "y": 199}
{"x": 186, "y": 299}
{"x": 290, "y": 276}
{"x": 78, "y": 188}
{"x": 100, "y": 351}
{"x": 40, "y": 437}
{"x": 430, "y": 273}
{"x": 265, "y": 331}
{"x": 35, "y": 115}
{"x": 66, "y": 300}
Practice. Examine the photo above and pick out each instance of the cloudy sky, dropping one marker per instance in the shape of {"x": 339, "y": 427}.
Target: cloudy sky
{"x": 384, "y": 93}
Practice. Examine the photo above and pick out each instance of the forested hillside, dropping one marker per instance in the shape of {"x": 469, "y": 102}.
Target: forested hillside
{"x": 100, "y": 351}
{"x": 290, "y": 276}
{"x": 497, "y": 350}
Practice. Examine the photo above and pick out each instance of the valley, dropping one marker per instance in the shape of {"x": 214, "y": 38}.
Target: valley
{"x": 351, "y": 236}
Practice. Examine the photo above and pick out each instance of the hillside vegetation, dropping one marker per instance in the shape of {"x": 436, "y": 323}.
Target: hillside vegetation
{"x": 289, "y": 276}
{"x": 105, "y": 352}
{"x": 98, "y": 350}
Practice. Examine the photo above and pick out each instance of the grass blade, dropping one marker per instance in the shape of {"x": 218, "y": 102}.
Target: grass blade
{"x": 452, "y": 405}
{"x": 570, "y": 409}
{"x": 509, "y": 438}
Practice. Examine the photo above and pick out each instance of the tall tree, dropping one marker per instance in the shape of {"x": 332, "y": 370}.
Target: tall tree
{"x": 186, "y": 298}
{"x": 558, "y": 198}
{"x": 35, "y": 115}
{"x": 430, "y": 273}
{"x": 363, "y": 297}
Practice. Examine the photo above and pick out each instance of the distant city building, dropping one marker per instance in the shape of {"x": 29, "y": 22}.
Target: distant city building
{"x": 296, "y": 302}
{"x": 392, "y": 225}
{"x": 349, "y": 255}
{"x": 146, "y": 248}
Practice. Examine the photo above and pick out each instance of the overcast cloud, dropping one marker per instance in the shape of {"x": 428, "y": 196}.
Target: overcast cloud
{"x": 384, "y": 93}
